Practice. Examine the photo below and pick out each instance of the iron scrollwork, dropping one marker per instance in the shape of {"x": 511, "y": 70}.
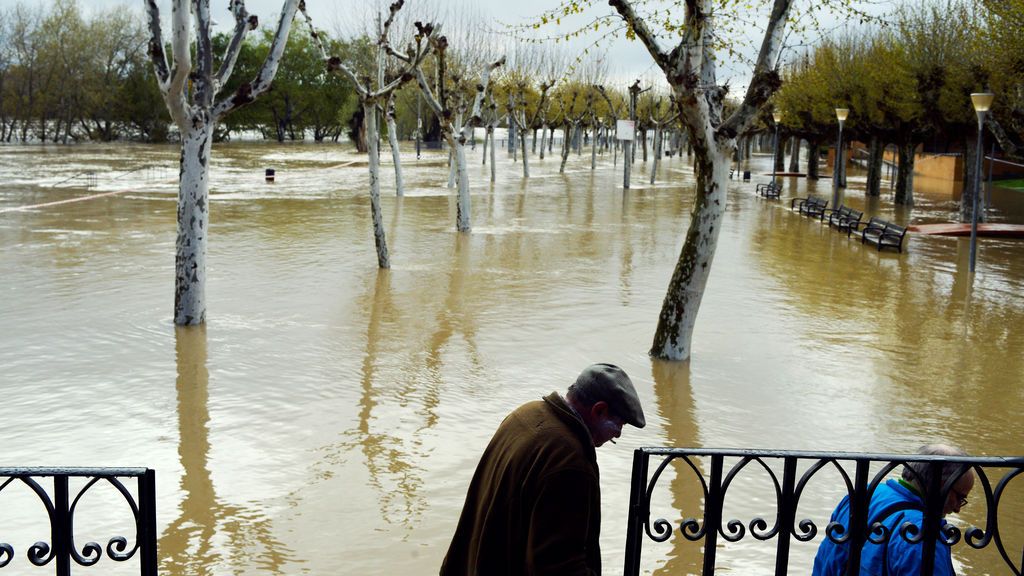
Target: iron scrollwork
{"x": 61, "y": 511}
{"x": 690, "y": 528}
{"x": 789, "y": 489}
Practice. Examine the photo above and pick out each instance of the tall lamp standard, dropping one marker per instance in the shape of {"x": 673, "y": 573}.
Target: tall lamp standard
{"x": 777, "y": 116}
{"x": 841, "y": 114}
{"x": 982, "y": 102}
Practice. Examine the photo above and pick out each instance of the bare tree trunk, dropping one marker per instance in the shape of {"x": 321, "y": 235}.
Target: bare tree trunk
{"x": 627, "y": 149}
{"x": 813, "y": 153}
{"x": 876, "y": 150}
{"x": 492, "y": 155}
{"x": 656, "y": 149}
{"x": 794, "y": 154}
{"x": 462, "y": 216}
{"x": 193, "y": 223}
{"x": 379, "y": 240}
{"x": 593, "y": 151}
{"x": 189, "y": 90}
{"x": 451, "y": 167}
{"x": 396, "y": 155}
{"x": 689, "y": 64}
{"x": 511, "y": 131}
{"x": 565, "y": 147}
{"x": 905, "y": 173}
{"x": 543, "y": 140}
{"x": 526, "y": 162}
{"x": 488, "y": 135}
{"x": 455, "y": 135}
{"x": 672, "y": 338}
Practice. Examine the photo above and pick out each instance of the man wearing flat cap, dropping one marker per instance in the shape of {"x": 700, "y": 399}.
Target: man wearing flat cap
{"x": 534, "y": 504}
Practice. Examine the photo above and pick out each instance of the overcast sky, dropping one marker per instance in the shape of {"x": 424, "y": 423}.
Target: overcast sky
{"x": 626, "y": 60}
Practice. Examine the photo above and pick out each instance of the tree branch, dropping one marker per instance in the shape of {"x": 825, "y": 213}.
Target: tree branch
{"x": 766, "y": 79}
{"x": 156, "y": 45}
{"x": 1005, "y": 142}
{"x": 428, "y": 94}
{"x": 202, "y": 80}
{"x": 485, "y": 78}
{"x": 249, "y": 91}
{"x": 171, "y": 82}
{"x": 643, "y": 32}
{"x": 244, "y": 23}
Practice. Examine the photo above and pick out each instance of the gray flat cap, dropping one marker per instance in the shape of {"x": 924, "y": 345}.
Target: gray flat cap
{"x": 609, "y": 383}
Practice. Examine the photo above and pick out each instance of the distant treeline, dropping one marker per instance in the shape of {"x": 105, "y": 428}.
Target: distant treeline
{"x": 65, "y": 77}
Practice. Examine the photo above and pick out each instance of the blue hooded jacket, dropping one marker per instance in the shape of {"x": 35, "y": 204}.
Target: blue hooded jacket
{"x": 897, "y": 557}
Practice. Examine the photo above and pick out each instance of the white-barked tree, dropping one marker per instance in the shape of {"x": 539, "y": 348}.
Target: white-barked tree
{"x": 190, "y": 84}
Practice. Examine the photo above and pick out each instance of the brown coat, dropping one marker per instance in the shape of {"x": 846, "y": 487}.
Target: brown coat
{"x": 534, "y": 505}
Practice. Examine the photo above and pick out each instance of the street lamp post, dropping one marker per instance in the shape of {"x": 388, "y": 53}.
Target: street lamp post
{"x": 841, "y": 114}
{"x": 982, "y": 102}
{"x": 777, "y": 116}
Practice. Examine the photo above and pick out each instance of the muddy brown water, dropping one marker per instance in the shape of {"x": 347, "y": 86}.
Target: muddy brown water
{"x": 328, "y": 417}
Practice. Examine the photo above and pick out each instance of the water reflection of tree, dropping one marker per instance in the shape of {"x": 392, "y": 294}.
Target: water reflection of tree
{"x": 389, "y": 455}
{"x": 388, "y": 464}
{"x": 454, "y": 317}
{"x": 191, "y": 543}
{"x": 676, "y": 406}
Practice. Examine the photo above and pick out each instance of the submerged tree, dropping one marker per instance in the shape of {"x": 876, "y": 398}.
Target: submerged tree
{"x": 690, "y": 69}
{"x": 450, "y": 109}
{"x": 190, "y": 90}
{"x": 371, "y": 98}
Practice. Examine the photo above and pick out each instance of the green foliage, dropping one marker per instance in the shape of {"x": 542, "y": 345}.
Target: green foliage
{"x": 1001, "y": 42}
{"x": 304, "y": 98}
{"x": 63, "y": 77}
{"x": 912, "y": 79}
{"x": 66, "y": 77}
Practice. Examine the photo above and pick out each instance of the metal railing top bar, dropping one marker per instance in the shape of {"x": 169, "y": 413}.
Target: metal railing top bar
{"x": 72, "y": 471}
{"x": 1010, "y": 461}
{"x": 714, "y": 473}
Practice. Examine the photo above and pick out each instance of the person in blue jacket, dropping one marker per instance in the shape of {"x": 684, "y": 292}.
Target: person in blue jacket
{"x": 894, "y": 503}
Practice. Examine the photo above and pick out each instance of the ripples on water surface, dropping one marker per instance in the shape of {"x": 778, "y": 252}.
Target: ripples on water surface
{"x": 328, "y": 417}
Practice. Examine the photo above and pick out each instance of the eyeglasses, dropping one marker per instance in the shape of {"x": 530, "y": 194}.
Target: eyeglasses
{"x": 960, "y": 498}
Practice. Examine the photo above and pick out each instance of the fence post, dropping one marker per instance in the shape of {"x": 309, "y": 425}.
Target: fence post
{"x": 933, "y": 504}
{"x": 637, "y": 514}
{"x": 858, "y": 520}
{"x": 787, "y": 515}
{"x": 147, "y": 523}
{"x": 712, "y": 512}
{"x": 61, "y": 526}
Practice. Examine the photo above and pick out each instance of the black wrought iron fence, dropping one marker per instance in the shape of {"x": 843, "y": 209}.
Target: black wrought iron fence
{"x": 60, "y": 501}
{"x": 716, "y": 471}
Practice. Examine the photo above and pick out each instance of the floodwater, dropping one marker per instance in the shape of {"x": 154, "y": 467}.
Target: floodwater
{"x": 327, "y": 418}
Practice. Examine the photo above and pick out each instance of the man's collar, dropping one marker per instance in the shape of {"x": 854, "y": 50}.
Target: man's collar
{"x": 909, "y": 486}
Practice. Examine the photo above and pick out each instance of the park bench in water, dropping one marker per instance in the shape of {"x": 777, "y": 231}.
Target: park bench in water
{"x": 883, "y": 234}
{"x": 843, "y": 218}
{"x": 769, "y": 190}
{"x": 811, "y": 206}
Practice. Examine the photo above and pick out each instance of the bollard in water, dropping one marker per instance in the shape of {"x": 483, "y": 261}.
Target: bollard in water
{"x": 746, "y": 175}
{"x": 270, "y": 174}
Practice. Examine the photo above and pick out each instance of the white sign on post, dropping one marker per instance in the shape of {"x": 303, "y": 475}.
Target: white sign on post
{"x": 624, "y": 129}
